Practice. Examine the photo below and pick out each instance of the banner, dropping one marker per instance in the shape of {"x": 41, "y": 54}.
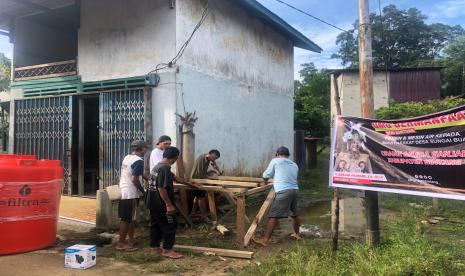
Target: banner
{"x": 419, "y": 156}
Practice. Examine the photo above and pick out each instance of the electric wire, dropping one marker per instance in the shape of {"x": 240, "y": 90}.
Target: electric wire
{"x": 205, "y": 13}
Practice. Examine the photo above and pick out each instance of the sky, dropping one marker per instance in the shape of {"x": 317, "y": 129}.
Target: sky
{"x": 341, "y": 13}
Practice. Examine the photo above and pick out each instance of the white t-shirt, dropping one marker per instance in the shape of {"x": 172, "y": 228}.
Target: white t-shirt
{"x": 155, "y": 157}
{"x": 132, "y": 165}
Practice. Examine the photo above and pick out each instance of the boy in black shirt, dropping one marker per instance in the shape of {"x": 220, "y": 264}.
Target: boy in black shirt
{"x": 161, "y": 202}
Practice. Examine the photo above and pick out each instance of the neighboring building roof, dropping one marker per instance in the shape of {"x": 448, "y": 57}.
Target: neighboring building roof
{"x": 281, "y": 26}
{"x": 355, "y": 70}
{"x": 9, "y": 8}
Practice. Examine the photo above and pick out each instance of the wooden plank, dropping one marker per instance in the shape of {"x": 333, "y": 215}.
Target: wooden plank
{"x": 217, "y": 251}
{"x": 44, "y": 65}
{"x": 261, "y": 213}
{"x": 184, "y": 215}
{"x": 212, "y": 205}
{"x": 222, "y": 229}
{"x": 258, "y": 190}
{"x": 236, "y": 178}
{"x": 240, "y": 219}
{"x": 225, "y": 183}
{"x": 211, "y": 188}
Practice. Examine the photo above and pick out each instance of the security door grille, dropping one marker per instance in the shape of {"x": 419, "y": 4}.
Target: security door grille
{"x": 43, "y": 128}
{"x": 121, "y": 122}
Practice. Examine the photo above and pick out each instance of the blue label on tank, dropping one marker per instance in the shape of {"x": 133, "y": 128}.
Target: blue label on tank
{"x": 71, "y": 250}
{"x": 93, "y": 248}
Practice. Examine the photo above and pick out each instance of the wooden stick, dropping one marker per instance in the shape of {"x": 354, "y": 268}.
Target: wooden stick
{"x": 225, "y": 183}
{"x": 240, "y": 219}
{"x": 217, "y": 251}
{"x": 335, "y": 200}
{"x": 212, "y": 205}
{"x": 261, "y": 213}
{"x": 184, "y": 216}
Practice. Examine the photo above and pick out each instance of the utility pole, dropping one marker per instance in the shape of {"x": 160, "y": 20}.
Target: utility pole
{"x": 366, "y": 96}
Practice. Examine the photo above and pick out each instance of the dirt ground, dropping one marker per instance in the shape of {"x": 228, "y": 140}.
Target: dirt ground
{"x": 78, "y": 208}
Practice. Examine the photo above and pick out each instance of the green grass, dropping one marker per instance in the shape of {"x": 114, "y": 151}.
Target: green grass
{"x": 314, "y": 181}
{"x": 407, "y": 248}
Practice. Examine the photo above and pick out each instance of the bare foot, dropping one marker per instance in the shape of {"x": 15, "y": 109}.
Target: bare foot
{"x": 260, "y": 242}
{"x": 295, "y": 236}
{"x": 171, "y": 254}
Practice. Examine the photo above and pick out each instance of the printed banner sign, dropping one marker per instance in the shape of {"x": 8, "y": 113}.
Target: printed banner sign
{"x": 420, "y": 156}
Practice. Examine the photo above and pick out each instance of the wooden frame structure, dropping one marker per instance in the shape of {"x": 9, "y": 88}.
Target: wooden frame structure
{"x": 236, "y": 190}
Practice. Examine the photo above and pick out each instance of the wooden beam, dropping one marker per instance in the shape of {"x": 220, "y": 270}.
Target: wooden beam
{"x": 258, "y": 190}
{"x": 225, "y": 183}
{"x": 211, "y": 188}
{"x": 240, "y": 219}
{"x": 184, "y": 215}
{"x": 217, "y": 251}
{"x": 236, "y": 178}
{"x": 261, "y": 213}
{"x": 212, "y": 205}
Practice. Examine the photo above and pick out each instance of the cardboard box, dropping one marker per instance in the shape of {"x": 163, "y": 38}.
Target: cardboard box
{"x": 80, "y": 256}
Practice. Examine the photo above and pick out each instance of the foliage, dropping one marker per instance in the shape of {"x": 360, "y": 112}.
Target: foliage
{"x": 5, "y": 64}
{"x": 400, "y": 38}
{"x": 454, "y": 67}
{"x": 311, "y": 102}
{"x": 413, "y": 109}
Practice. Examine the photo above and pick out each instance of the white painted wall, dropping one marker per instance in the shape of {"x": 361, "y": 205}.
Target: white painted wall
{"x": 349, "y": 92}
{"x": 124, "y": 38}
{"x": 237, "y": 74}
{"x": 234, "y": 45}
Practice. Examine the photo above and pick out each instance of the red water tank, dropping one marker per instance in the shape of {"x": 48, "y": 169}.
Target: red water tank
{"x": 30, "y": 193}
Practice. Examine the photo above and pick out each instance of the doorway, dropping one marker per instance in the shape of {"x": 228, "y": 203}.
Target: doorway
{"x": 86, "y": 149}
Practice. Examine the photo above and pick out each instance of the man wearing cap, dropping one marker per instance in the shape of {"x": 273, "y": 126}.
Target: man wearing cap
{"x": 132, "y": 169}
{"x": 284, "y": 173}
{"x": 157, "y": 153}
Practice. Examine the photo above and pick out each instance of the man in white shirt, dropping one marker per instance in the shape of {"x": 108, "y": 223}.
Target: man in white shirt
{"x": 132, "y": 169}
{"x": 157, "y": 153}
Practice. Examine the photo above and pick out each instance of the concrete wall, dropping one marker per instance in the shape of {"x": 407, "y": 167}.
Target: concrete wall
{"x": 124, "y": 38}
{"x": 39, "y": 44}
{"x": 237, "y": 74}
{"x": 349, "y": 92}
{"x": 234, "y": 45}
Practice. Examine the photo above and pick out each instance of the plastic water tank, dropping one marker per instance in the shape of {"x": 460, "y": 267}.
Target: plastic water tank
{"x": 30, "y": 192}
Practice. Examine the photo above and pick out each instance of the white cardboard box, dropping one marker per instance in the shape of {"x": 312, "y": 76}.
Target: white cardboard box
{"x": 80, "y": 256}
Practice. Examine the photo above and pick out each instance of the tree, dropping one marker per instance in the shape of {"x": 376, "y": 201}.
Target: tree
{"x": 454, "y": 68}
{"x": 5, "y": 64}
{"x": 312, "y": 100}
{"x": 401, "y": 38}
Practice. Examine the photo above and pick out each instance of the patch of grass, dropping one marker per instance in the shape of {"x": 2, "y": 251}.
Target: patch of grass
{"x": 407, "y": 249}
{"x": 140, "y": 256}
{"x": 314, "y": 182}
{"x": 169, "y": 267}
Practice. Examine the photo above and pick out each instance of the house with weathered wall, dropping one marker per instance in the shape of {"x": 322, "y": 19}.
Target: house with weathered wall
{"x": 399, "y": 85}
{"x": 79, "y": 90}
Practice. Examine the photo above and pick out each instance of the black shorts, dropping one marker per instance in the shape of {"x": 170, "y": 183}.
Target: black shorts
{"x": 127, "y": 209}
{"x": 199, "y": 193}
{"x": 284, "y": 204}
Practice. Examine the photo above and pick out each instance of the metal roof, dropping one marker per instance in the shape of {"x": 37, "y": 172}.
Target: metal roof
{"x": 20, "y": 8}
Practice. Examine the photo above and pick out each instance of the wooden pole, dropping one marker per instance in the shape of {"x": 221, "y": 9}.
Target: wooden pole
{"x": 335, "y": 200}
{"x": 367, "y": 108}
{"x": 240, "y": 220}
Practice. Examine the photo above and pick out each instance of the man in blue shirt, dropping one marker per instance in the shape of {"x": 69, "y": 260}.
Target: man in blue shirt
{"x": 284, "y": 173}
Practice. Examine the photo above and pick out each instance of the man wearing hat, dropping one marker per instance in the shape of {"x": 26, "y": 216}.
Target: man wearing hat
{"x": 132, "y": 169}
{"x": 157, "y": 153}
{"x": 284, "y": 173}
